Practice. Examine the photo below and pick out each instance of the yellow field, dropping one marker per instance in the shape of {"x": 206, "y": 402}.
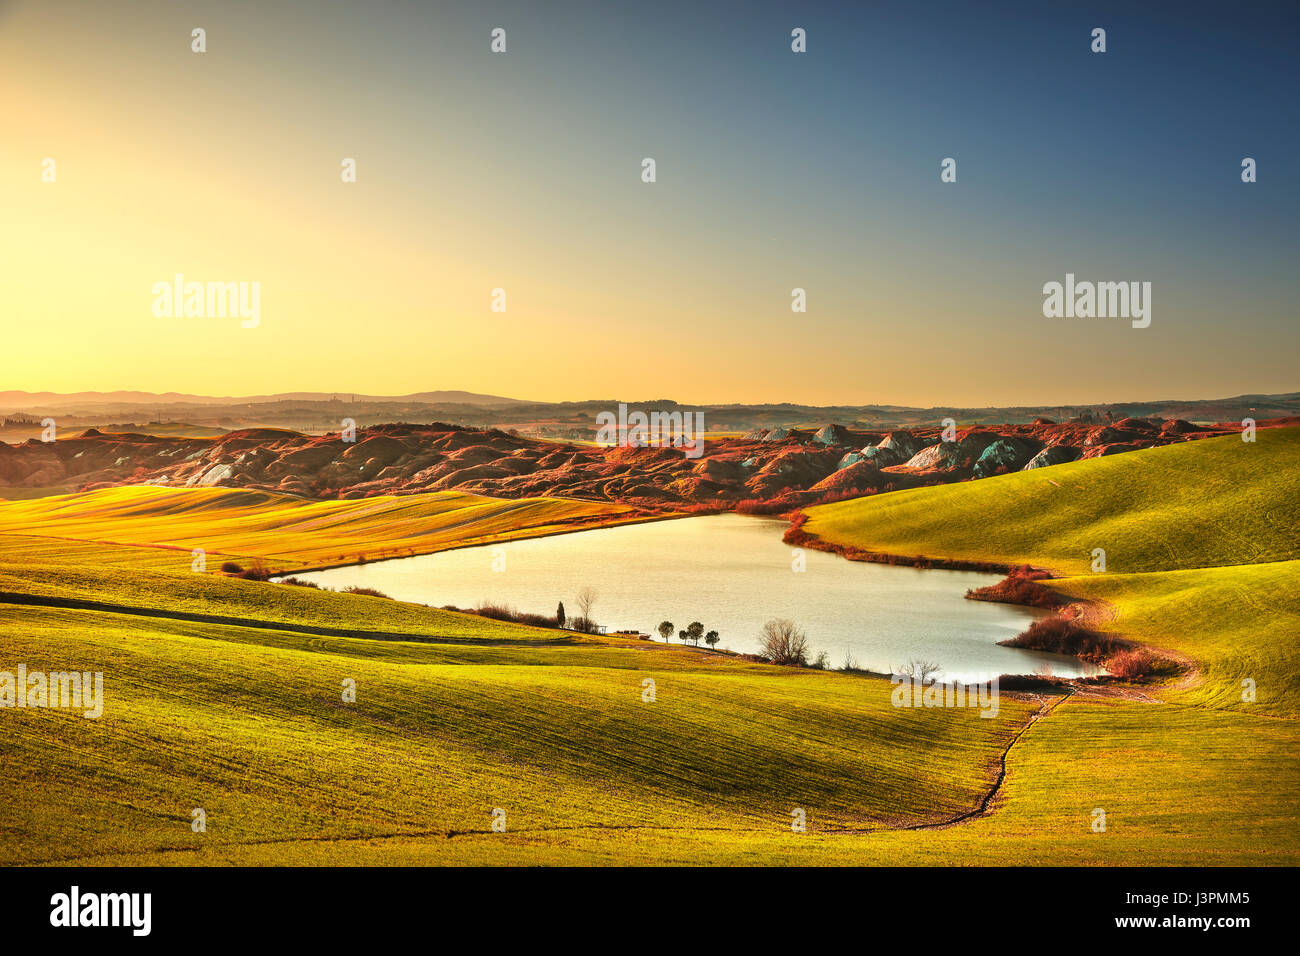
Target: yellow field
{"x": 290, "y": 531}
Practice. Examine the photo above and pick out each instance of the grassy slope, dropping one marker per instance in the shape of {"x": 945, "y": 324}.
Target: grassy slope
{"x": 76, "y": 571}
{"x": 1236, "y": 622}
{"x": 1200, "y": 541}
{"x": 1200, "y": 504}
{"x": 251, "y": 727}
{"x": 290, "y": 531}
{"x": 1209, "y": 529}
{"x": 247, "y": 723}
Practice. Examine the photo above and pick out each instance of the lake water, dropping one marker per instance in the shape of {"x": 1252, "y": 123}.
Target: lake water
{"x": 732, "y": 573}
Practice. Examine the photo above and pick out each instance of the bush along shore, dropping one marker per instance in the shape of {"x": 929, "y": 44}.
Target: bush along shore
{"x": 1062, "y": 632}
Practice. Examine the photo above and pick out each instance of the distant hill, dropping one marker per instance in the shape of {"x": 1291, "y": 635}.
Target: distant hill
{"x": 319, "y": 412}
{"x": 779, "y": 468}
{"x": 1218, "y": 501}
{"x": 19, "y": 400}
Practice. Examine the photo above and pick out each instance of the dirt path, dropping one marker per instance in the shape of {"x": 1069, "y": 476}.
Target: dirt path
{"x": 1044, "y": 710}
{"x": 1048, "y": 704}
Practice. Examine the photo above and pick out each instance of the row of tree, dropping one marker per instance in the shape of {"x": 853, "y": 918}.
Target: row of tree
{"x": 781, "y": 641}
{"x": 693, "y": 633}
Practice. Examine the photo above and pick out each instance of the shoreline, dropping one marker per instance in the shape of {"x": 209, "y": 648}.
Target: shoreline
{"x": 795, "y": 519}
{"x": 477, "y": 543}
{"x": 798, "y": 537}
{"x": 1085, "y": 610}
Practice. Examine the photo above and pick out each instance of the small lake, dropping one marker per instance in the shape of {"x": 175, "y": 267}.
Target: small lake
{"x": 732, "y": 573}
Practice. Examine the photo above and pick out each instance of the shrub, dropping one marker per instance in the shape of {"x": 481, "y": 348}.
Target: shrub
{"x": 504, "y": 612}
{"x": 371, "y": 592}
{"x": 702, "y": 508}
{"x": 1020, "y": 586}
{"x": 782, "y": 642}
{"x": 1134, "y": 664}
{"x": 1062, "y": 635}
{"x": 299, "y": 582}
{"x": 536, "y": 620}
{"x": 230, "y": 567}
{"x": 257, "y": 571}
{"x": 494, "y": 610}
{"x": 1121, "y": 659}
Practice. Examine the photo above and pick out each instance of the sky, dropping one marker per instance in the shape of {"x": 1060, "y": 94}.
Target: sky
{"x": 775, "y": 170}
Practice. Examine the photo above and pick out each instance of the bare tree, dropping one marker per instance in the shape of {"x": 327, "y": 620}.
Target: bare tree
{"x": 782, "y": 642}
{"x": 586, "y": 600}
{"x": 922, "y": 671}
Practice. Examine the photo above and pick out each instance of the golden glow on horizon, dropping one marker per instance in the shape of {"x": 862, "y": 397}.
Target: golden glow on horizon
{"x": 225, "y": 168}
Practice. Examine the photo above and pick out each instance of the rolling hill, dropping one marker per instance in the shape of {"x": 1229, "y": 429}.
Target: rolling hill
{"x": 462, "y": 716}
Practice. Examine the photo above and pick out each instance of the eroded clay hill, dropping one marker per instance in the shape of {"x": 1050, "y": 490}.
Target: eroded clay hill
{"x": 773, "y": 468}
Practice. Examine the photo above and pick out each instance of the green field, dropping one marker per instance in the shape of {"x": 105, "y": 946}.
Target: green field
{"x": 1200, "y": 541}
{"x": 1207, "y": 503}
{"x": 249, "y": 724}
{"x": 294, "y": 532}
{"x": 456, "y": 715}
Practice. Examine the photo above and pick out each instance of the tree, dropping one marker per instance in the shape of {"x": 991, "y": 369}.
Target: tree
{"x": 695, "y": 631}
{"x": 782, "y": 642}
{"x": 666, "y": 630}
{"x": 559, "y": 615}
{"x": 711, "y": 638}
{"x": 922, "y": 671}
{"x": 586, "y": 599}
{"x": 682, "y": 635}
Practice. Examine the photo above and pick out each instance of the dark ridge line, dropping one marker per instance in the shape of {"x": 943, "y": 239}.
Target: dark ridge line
{"x": 78, "y": 604}
{"x": 796, "y": 535}
{"x": 1043, "y": 711}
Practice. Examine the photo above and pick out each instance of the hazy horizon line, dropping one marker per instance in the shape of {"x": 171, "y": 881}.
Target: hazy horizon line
{"x": 367, "y": 396}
